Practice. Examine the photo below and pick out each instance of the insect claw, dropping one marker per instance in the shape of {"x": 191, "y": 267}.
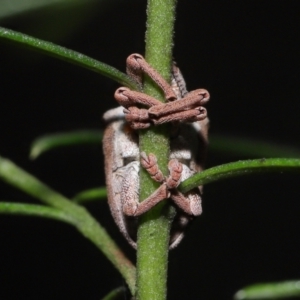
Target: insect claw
{"x": 136, "y": 63}
{"x": 149, "y": 162}
{"x": 175, "y": 168}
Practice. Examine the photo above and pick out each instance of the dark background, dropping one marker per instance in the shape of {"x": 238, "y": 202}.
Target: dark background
{"x": 246, "y": 53}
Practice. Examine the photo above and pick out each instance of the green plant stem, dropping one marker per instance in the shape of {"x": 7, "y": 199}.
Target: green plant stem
{"x": 154, "y": 226}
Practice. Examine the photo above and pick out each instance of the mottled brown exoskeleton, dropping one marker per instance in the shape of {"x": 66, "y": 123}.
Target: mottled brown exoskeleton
{"x": 123, "y": 159}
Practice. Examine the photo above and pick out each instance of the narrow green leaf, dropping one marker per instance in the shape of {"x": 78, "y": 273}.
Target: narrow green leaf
{"x": 250, "y": 147}
{"x": 279, "y": 290}
{"x": 90, "y": 195}
{"x": 24, "y": 181}
{"x": 83, "y": 220}
{"x": 67, "y": 55}
{"x": 51, "y": 141}
{"x": 239, "y": 168}
{"x": 115, "y": 294}
{"x": 36, "y": 211}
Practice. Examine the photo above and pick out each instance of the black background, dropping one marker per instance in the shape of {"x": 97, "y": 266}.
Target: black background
{"x": 246, "y": 53}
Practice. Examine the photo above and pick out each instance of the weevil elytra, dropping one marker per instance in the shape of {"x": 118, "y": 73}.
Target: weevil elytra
{"x": 187, "y": 149}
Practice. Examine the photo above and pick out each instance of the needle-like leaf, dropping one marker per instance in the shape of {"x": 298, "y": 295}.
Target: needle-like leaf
{"x": 82, "y": 220}
{"x": 51, "y": 141}
{"x": 275, "y": 290}
{"x": 67, "y": 55}
{"x": 43, "y": 211}
{"x": 90, "y": 195}
{"x": 115, "y": 294}
{"x": 239, "y": 168}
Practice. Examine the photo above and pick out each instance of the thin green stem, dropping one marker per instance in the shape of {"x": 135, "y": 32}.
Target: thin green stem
{"x": 154, "y": 226}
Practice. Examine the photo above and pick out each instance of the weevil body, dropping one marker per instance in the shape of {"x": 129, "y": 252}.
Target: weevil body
{"x": 123, "y": 162}
{"x": 122, "y": 165}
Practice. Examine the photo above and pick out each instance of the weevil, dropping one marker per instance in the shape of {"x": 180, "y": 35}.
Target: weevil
{"x": 123, "y": 159}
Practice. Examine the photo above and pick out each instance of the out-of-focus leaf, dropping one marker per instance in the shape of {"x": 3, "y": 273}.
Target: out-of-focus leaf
{"x": 239, "y": 168}
{"x": 90, "y": 195}
{"x": 9, "y": 8}
{"x": 115, "y": 294}
{"x": 56, "y": 19}
{"x": 52, "y": 141}
{"x": 276, "y": 290}
{"x": 19, "y": 178}
{"x": 67, "y": 55}
{"x": 43, "y": 211}
{"x": 250, "y": 147}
